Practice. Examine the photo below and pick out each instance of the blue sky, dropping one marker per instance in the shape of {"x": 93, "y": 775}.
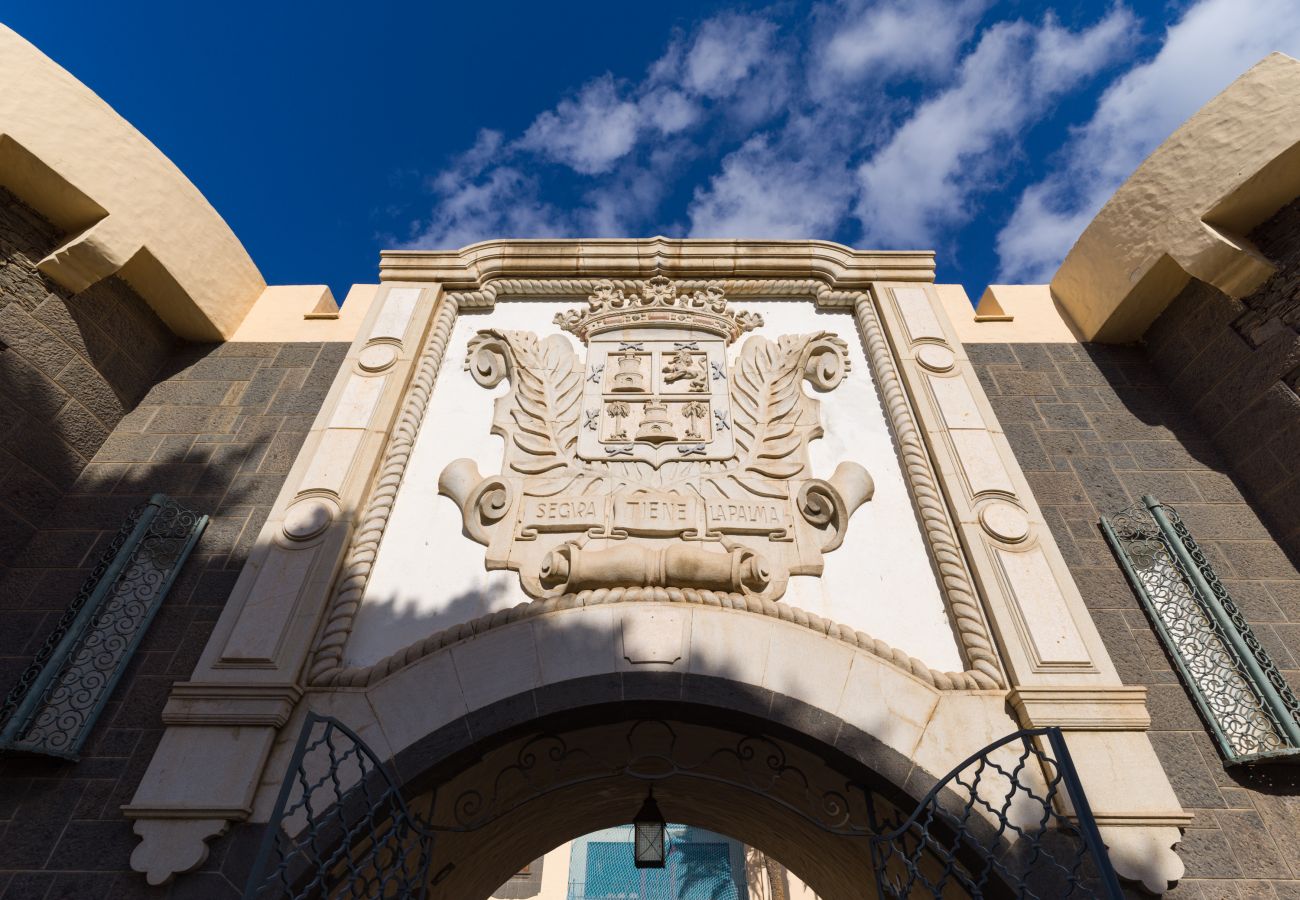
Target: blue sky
{"x": 989, "y": 132}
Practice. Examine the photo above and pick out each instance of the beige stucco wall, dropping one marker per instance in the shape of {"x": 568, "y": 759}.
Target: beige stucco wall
{"x": 305, "y": 312}
{"x": 1007, "y": 314}
{"x": 128, "y": 209}
{"x": 1186, "y": 209}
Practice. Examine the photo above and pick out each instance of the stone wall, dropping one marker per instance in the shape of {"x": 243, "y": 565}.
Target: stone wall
{"x": 70, "y": 368}
{"x": 218, "y": 432}
{"x": 1094, "y": 428}
{"x": 1236, "y": 366}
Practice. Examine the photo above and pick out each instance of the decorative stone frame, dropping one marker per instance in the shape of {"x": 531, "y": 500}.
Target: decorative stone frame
{"x": 1024, "y": 632}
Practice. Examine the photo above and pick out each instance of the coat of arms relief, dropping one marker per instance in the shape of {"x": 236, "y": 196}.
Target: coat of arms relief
{"x": 659, "y": 460}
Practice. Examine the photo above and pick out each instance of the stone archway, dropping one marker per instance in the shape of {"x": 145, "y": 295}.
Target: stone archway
{"x": 487, "y": 793}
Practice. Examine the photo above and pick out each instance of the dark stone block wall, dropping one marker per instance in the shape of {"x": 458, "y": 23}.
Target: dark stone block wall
{"x": 1094, "y": 428}
{"x": 1236, "y": 366}
{"x": 70, "y": 368}
{"x": 218, "y": 431}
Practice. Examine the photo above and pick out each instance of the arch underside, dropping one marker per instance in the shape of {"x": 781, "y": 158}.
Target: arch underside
{"x": 588, "y": 769}
{"x": 519, "y": 788}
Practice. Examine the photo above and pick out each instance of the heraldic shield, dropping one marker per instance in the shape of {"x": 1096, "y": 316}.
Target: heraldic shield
{"x": 657, "y": 462}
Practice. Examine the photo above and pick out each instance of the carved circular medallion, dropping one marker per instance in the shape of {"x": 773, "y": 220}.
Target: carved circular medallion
{"x": 306, "y": 519}
{"x": 1005, "y": 522}
{"x": 377, "y": 357}
{"x": 935, "y": 358}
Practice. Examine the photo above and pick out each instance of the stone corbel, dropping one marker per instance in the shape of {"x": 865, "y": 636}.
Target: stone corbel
{"x": 201, "y": 779}
{"x": 171, "y": 847}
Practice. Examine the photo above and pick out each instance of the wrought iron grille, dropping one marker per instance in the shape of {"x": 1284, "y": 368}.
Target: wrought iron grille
{"x": 1251, "y": 711}
{"x": 54, "y": 705}
{"x": 1011, "y": 819}
{"x": 340, "y": 828}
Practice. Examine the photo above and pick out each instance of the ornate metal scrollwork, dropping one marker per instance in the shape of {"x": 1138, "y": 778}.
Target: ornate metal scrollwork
{"x": 1252, "y": 712}
{"x": 52, "y": 708}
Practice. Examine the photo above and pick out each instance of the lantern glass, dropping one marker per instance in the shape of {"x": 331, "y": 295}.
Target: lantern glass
{"x": 648, "y": 839}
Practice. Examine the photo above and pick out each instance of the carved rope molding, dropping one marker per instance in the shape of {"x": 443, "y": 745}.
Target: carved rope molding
{"x": 364, "y": 677}
{"x": 364, "y": 546}
{"x": 940, "y": 535}
{"x": 972, "y": 632}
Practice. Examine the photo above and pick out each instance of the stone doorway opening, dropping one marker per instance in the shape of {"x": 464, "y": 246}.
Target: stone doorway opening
{"x": 699, "y": 865}
{"x": 1011, "y": 822}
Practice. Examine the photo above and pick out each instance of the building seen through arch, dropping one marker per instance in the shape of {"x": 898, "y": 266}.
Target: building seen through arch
{"x": 875, "y": 591}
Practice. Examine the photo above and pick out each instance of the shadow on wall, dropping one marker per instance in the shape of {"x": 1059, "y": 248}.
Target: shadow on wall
{"x": 395, "y": 622}
{"x": 50, "y": 571}
{"x": 1235, "y": 365}
{"x": 218, "y": 433}
{"x": 71, "y": 366}
{"x": 1170, "y": 456}
{"x": 408, "y": 625}
{"x": 64, "y": 816}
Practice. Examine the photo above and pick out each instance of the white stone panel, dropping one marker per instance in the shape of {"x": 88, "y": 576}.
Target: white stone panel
{"x": 396, "y": 314}
{"x": 429, "y": 576}
{"x": 880, "y": 580}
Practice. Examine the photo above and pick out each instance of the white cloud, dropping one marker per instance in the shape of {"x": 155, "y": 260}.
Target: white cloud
{"x": 1214, "y": 42}
{"x": 590, "y": 133}
{"x": 767, "y": 190}
{"x": 669, "y": 110}
{"x": 726, "y": 50}
{"x": 881, "y": 40}
{"x": 619, "y": 207}
{"x": 478, "y": 199}
{"x": 628, "y": 138}
{"x": 730, "y": 61}
{"x": 954, "y": 145}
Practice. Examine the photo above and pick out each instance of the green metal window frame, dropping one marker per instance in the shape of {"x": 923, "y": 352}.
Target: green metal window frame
{"x": 53, "y": 707}
{"x": 1251, "y": 711}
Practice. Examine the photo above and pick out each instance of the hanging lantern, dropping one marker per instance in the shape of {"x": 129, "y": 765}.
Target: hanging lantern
{"x": 649, "y": 830}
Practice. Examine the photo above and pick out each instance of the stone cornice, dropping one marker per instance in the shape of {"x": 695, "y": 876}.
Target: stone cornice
{"x": 230, "y": 704}
{"x": 478, "y": 265}
{"x": 1082, "y": 707}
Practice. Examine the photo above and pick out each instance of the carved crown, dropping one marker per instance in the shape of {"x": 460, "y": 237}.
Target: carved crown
{"x": 658, "y": 303}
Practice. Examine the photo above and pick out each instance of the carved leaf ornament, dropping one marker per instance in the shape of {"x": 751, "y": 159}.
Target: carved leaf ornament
{"x": 654, "y": 462}
{"x": 547, "y": 388}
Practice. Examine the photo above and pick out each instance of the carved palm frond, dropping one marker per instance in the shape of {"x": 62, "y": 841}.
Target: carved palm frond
{"x": 767, "y": 401}
{"x": 544, "y": 402}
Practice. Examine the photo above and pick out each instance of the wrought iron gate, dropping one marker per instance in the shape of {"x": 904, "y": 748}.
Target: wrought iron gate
{"x": 995, "y": 825}
{"x": 340, "y": 826}
{"x": 1011, "y": 820}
